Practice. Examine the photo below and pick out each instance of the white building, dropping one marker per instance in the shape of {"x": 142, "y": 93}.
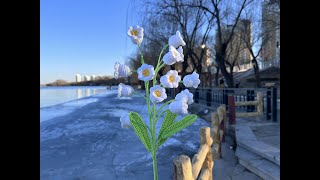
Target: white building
{"x": 78, "y": 78}
{"x": 93, "y": 77}
{"x": 86, "y": 78}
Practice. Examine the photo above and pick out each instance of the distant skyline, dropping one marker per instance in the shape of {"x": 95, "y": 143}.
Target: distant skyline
{"x": 84, "y": 37}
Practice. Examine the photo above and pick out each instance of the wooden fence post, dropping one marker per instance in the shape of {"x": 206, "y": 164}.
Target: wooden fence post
{"x": 182, "y": 169}
{"x": 215, "y": 134}
{"x": 221, "y": 115}
{"x": 205, "y": 138}
{"x": 274, "y": 104}
{"x": 200, "y": 158}
{"x": 224, "y": 111}
{"x": 260, "y": 102}
{"x": 232, "y": 110}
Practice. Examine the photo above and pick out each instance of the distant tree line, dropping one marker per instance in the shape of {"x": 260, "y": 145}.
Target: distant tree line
{"x": 105, "y": 81}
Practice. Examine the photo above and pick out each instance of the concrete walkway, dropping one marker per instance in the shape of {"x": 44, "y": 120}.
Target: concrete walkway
{"x": 261, "y": 137}
{"x": 228, "y": 167}
{"x": 258, "y": 147}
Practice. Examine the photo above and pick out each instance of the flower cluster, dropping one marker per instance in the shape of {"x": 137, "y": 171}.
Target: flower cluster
{"x": 171, "y": 79}
{"x": 156, "y": 93}
{"x": 174, "y": 55}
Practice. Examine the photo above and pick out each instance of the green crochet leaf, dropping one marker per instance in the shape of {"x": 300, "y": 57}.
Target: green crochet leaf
{"x": 168, "y": 120}
{"x": 178, "y": 126}
{"x": 140, "y": 128}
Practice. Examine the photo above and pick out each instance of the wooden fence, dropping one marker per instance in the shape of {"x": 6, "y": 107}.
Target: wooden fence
{"x": 233, "y": 104}
{"x": 202, "y": 162}
{"x": 211, "y": 98}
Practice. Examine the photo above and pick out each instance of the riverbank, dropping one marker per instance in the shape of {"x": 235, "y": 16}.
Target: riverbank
{"x": 89, "y": 143}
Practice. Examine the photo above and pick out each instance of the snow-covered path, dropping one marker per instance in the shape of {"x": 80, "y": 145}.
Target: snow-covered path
{"x": 89, "y": 143}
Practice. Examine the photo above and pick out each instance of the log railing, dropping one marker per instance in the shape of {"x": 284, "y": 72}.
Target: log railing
{"x": 211, "y": 98}
{"x": 201, "y": 165}
{"x": 232, "y": 104}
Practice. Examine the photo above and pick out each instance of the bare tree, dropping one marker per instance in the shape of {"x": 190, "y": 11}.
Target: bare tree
{"x": 226, "y": 14}
{"x": 194, "y": 24}
{"x": 272, "y": 7}
{"x": 257, "y": 38}
{"x": 235, "y": 50}
{"x": 214, "y": 64}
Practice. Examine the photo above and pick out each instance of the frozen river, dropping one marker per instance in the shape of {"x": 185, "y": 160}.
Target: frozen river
{"x": 83, "y": 139}
{"x": 58, "y": 101}
{"x": 55, "y": 95}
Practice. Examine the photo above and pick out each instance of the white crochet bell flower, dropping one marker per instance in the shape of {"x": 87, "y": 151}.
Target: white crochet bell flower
{"x": 180, "y": 50}
{"x": 186, "y": 96}
{"x": 157, "y": 94}
{"x": 191, "y": 80}
{"x": 172, "y": 56}
{"x": 125, "y": 90}
{"x": 145, "y": 72}
{"x": 136, "y": 34}
{"x": 125, "y": 121}
{"x": 176, "y": 40}
{"x": 171, "y": 79}
{"x": 179, "y": 107}
{"x": 121, "y": 70}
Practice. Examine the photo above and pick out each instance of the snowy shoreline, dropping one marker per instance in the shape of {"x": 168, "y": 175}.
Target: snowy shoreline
{"x": 89, "y": 142}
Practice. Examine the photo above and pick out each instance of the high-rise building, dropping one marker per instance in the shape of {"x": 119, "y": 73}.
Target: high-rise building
{"x": 93, "y": 77}
{"x": 206, "y": 61}
{"x": 78, "y": 78}
{"x": 237, "y": 50}
{"x": 270, "y": 52}
{"x": 86, "y": 78}
{"x": 205, "y": 65}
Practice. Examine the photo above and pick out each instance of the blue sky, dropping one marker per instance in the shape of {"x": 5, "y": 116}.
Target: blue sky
{"x": 85, "y": 37}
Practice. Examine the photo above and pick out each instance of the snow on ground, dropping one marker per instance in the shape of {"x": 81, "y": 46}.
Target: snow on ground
{"x": 81, "y": 102}
{"x": 88, "y": 142}
{"x": 49, "y": 113}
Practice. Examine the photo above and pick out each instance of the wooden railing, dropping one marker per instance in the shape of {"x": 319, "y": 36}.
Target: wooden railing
{"x": 232, "y": 106}
{"x": 202, "y": 162}
{"x": 211, "y": 98}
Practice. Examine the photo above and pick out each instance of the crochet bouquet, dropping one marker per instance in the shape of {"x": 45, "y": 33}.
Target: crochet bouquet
{"x": 156, "y": 94}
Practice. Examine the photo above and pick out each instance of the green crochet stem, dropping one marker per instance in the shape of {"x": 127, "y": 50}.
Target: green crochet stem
{"x": 158, "y": 67}
{"x": 152, "y": 112}
{"x": 142, "y": 60}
